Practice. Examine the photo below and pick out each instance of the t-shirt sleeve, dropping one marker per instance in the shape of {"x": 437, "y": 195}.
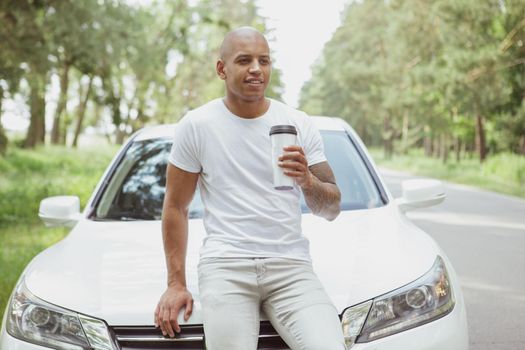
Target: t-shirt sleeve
{"x": 185, "y": 151}
{"x": 312, "y": 142}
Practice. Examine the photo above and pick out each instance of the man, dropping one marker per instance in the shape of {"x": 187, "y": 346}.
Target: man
{"x": 254, "y": 255}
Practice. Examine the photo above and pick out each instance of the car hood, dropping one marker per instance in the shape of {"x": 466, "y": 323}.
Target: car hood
{"x": 116, "y": 271}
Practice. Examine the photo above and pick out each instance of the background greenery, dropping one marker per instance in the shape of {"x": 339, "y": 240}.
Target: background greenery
{"x": 504, "y": 172}
{"x": 116, "y": 66}
{"x": 447, "y": 76}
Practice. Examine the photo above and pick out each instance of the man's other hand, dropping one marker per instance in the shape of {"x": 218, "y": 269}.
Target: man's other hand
{"x": 168, "y": 308}
{"x": 295, "y": 165}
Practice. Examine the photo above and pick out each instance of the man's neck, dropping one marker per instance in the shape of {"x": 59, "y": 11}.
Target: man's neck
{"x": 247, "y": 109}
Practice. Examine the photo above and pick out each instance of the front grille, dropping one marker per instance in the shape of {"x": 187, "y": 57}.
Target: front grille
{"x": 190, "y": 337}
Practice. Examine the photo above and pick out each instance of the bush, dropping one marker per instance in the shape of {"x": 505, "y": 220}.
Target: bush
{"x": 3, "y": 142}
{"x": 503, "y": 172}
{"x": 508, "y": 167}
{"x": 28, "y": 176}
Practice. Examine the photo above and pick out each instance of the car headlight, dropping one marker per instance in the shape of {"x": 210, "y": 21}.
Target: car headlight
{"x": 33, "y": 320}
{"x": 424, "y": 300}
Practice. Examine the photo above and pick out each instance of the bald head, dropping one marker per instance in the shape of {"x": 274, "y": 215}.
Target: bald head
{"x": 245, "y": 66}
{"x": 242, "y": 34}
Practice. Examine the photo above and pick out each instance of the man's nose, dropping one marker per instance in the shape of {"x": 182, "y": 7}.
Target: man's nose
{"x": 255, "y": 67}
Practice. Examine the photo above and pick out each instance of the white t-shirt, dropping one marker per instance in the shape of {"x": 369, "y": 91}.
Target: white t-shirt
{"x": 244, "y": 216}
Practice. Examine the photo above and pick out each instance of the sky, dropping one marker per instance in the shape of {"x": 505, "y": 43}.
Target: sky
{"x": 300, "y": 28}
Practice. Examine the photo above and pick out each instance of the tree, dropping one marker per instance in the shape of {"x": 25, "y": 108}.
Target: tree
{"x": 10, "y": 70}
{"x": 3, "y": 137}
{"x": 77, "y": 36}
{"x": 24, "y": 37}
{"x": 136, "y": 64}
{"x": 412, "y": 72}
{"x": 511, "y": 121}
{"x": 355, "y": 69}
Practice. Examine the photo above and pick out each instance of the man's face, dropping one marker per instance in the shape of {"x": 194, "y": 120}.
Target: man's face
{"x": 246, "y": 67}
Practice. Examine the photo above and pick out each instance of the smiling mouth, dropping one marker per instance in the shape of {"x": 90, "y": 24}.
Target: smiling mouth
{"x": 254, "y": 82}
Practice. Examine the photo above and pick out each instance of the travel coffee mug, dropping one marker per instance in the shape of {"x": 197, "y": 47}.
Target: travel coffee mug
{"x": 281, "y": 136}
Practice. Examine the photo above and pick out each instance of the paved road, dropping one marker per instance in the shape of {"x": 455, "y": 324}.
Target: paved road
{"x": 483, "y": 233}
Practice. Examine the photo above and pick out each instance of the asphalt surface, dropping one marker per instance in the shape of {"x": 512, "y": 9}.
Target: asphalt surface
{"x": 483, "y": 234}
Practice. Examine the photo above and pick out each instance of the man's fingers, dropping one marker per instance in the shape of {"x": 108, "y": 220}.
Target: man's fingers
{"x": 166, "y": 325}
{"x": 292, "y": 165}
{"x": 294, "y": 148}
{"x": 161, "y": 322}
{"x": 156, "y": 316}
{"x": 174, "y": 322}
{"x": 291, "y": 155}
{"x": 189, "y": 309}
{"x": 168, "y": 310}
{"x": 294, "y": 173}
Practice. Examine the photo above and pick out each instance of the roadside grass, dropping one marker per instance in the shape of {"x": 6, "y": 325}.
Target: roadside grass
{"x": 503, "y": 173}
{"x": 28, "y": 176}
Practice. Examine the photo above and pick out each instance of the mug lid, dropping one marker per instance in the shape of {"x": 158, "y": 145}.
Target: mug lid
{"x": 283, "y": 129}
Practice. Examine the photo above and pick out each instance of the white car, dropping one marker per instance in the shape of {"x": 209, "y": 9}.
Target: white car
{"x": 393, "y": 286}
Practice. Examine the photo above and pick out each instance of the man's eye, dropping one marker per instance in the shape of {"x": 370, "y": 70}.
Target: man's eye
{"x": 264, "y": 61}
{"x": 244, "y": 61}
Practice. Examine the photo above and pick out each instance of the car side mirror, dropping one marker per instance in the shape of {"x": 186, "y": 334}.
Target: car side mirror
{"x": 420, "y": 193}
{"x": 60, "y": 211}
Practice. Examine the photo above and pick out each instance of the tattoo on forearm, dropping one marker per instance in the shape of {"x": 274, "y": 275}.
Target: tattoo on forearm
{"x": 323, "y": 198}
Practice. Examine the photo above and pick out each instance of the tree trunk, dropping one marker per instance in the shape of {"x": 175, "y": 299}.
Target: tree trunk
{"x": 116, "y": 113}
{"x": 141, "y": 118}
{"x": 122, "y": 131}
{"x": 120, "y": 136}
{"x": 3, "y": 141}
{"x": 62, "y": 101}
{"x": 404, "y": 135}
{"x": 522, "y": 144}
{"x": 457, "y": 148}
{"x": 437, "y": 147}
{"x": 97, "y": 113}
{"x": 427, "y": 141}
{"x": 444, "y": 148}
{"x": 3, "y": 137}
{"x": 37, "y": 125}
{"x": 470, "y": 149}
{"x": 388, "y": 147}
{"x": 366, "y": 137}
{"x": 82, "y": 112}
{"x": 481, "y": 147}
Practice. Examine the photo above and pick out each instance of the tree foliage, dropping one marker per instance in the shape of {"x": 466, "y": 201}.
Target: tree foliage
{"x": 443, "y": 74}
{"x": 118, "y": 64}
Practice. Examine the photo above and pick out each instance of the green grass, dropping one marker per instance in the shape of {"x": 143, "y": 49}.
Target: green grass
{"x": 503, "y": 173}
{"x": 28, "y": 176}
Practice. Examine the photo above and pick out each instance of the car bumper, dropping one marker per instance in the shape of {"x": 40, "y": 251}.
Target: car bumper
{"x": 449, "y": 332}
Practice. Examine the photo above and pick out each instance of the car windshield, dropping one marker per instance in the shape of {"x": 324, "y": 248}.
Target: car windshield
{"x": 136, "y": 188}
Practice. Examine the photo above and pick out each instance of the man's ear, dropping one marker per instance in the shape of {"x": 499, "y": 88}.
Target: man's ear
{"x": 220, "y": 69}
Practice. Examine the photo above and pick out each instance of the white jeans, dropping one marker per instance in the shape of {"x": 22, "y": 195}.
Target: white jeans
{"x": 234, "y": 290}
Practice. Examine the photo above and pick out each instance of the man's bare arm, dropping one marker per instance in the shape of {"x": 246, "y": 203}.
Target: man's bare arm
{"x": 317, "y": 182}
{"x": 180, "y": 188}
{"x": 322, "y": 195}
